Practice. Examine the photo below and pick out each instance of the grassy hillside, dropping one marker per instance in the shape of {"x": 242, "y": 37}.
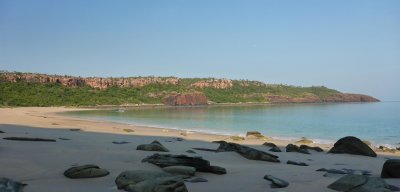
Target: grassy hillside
{"x": 35, "y": 94}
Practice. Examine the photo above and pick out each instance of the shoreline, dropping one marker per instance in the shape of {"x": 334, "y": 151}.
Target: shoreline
{"x": 60, "y": 120}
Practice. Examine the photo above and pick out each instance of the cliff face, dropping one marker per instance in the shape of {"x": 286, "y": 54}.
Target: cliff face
{"x": 186, "y": 99}
{"x": 95, "y": 82}
{"x": 214, "y": 83}
{"x": 348, "y": 97}
{"x": 336, "y": 98}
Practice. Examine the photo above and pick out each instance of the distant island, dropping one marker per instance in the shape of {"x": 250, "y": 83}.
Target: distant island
{"x": 32, "y": 89}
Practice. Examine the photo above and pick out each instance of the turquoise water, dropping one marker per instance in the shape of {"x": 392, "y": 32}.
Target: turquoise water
{"x": 325, "y": 123}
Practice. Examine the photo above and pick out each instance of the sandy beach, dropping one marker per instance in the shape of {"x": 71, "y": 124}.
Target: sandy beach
{"x": 41, "y": 164}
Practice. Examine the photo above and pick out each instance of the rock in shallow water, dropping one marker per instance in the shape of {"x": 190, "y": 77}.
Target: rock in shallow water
{"x": 85, "y": 171}
{"x": 153, "y": 146}
{"x": 352, "y": 145}
{"x": 276, "y": 182}
{"x": 166, "y": 160}
{"x": 8, "y": 185}
{"x": 150, "y": 181}
{"x": 391, "y": 169}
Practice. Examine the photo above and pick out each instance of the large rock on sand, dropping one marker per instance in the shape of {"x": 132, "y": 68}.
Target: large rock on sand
{"x": 153, "y": 146}
{"x": 150, "y": 181}
{"x": 391, "y": 169}
{"x": 85, "y": 171}
{"x": 360, "y": 183}
{"x": 199, "y": 163}
{"x": 247, "y": 152}
{"x": 352, "y": 145}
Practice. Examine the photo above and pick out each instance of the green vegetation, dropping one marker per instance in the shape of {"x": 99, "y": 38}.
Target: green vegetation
{"x": 36, "y": 94}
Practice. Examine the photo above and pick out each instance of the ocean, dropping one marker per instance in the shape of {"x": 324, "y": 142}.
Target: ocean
{"x": 378, "y": 123}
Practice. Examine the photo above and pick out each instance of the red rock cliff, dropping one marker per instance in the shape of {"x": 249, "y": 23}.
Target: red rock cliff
{"x": 186, "y": 99}
{"x": 95, "y": 82}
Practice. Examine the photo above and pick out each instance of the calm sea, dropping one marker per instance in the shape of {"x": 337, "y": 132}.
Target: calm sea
{"x": 324, "y": 123}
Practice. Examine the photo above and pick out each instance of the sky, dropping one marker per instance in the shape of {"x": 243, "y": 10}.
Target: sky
{"x": 348, "y": 45}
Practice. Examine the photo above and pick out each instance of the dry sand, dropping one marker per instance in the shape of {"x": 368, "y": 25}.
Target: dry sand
{"x": 41, "y": 164}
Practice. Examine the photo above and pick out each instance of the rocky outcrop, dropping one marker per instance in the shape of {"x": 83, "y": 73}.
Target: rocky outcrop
{"x": 186, "y": 99}
{"x": 182, "y": 160}
{"x": 391, "y": 169}
{"x": 214, "y": 83}
{"x": 352, "y": 145}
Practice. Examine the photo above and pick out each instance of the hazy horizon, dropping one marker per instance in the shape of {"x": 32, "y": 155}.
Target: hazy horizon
{"x": 351, "y": 46}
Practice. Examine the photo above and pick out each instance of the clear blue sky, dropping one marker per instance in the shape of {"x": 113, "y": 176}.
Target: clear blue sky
{"x": 352, "y": 46}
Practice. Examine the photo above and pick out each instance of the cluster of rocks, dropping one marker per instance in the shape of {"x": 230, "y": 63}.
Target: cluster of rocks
{"x": 178, "y": 169}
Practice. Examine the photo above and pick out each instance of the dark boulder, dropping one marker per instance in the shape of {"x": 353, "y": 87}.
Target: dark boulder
{"x": 352, "y": 145}
{"x": 268, "y": 144}
{"x": 247, "y": 152}
{"x": 153, "y": 146}
{"x": 274, "y": 148}
{"x": 150, "y": 181}
{"x": 295, "y": 148}
{"x": 29, "y": 139}
{"x": 306, "y": 147}
{"x": 199, "y": 163}
{"x": 360, "y": 183}
{"x": 391, "y": 169}
{"x": 296, "y": 163}
{"x": 85, "y": 171}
